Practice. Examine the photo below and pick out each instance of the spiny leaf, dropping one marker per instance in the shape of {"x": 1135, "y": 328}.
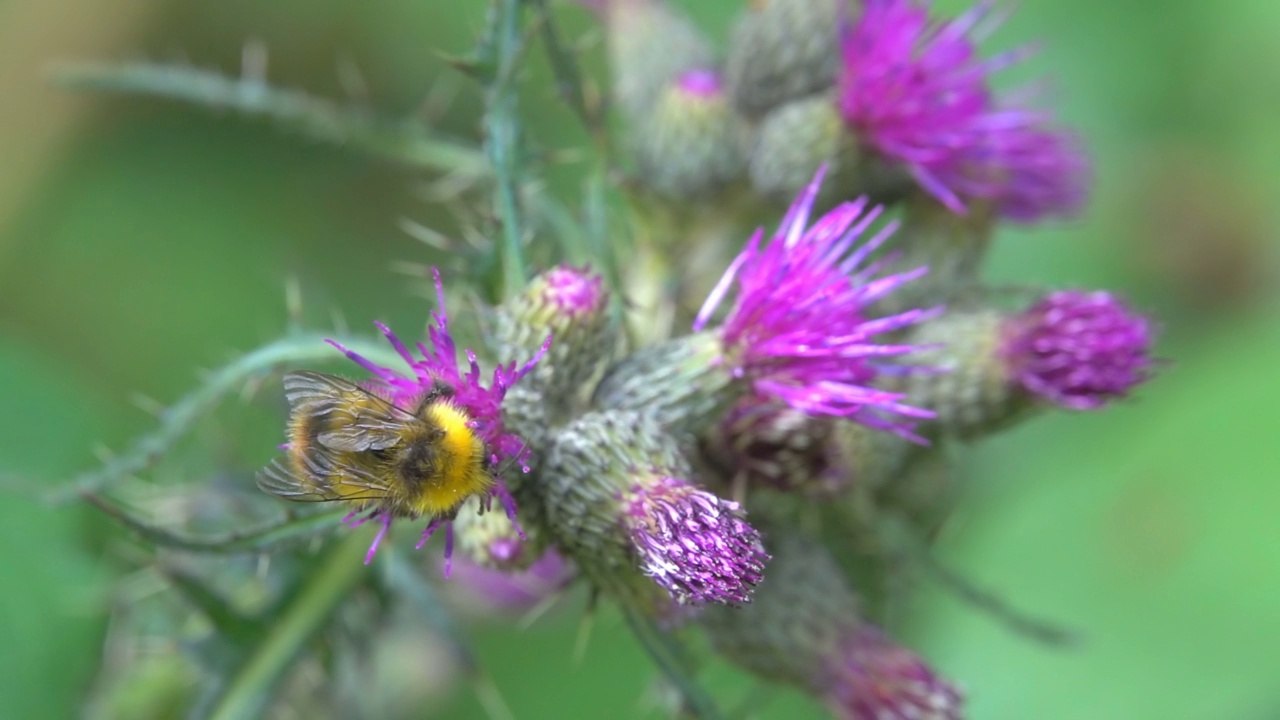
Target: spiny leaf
{"x": 407, "y": 141}
{"x": 229, "y": 625}
{"x": 257, "y": 539}
{"x": 900, "y": 538}
{"x": 253, "y": 685}
{"x": 182, "y": 415}
{"x": 568, "y": 75}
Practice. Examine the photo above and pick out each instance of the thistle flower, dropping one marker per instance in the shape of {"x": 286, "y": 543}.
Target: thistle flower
{"x": 476, "y": 406}
{"x": 618, "y": 502}
{"x": 871, "y": 678}
{"x": 796, "y": 329}
{"x": 916, "y": 91}
{"x": 805, "y": 628}
{"x": 1078, "y": 349}
{"x": 693, "y": 543}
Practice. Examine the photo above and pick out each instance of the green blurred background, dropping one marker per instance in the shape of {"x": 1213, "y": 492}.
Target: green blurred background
{"x": 141, "y": 241}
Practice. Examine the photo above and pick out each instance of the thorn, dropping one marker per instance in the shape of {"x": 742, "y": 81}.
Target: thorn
{"x": 339, "y": 321}
{"x": 490, "y": 699}
{"x": 352, "y": 81}
{"x": 439, "y": 98}
{"x": 585, "y": 627}
{"x": 293, "y": 300}
{"x": 103, "y": 454}
{"x": 253, "y": 61}
{"x": 425, "y": 235}
{"x": 251, "y": 388}
{"x": 147, "y": 404}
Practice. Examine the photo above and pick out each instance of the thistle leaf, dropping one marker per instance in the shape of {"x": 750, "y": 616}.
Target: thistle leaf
{"x": 261, "y": 538}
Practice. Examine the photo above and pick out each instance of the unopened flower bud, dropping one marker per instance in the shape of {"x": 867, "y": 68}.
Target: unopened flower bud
{"x": 797, "y": 138}
{"x": 782, "y": 50}
{"x": 650, "y": 45}
{"x": 805, "y": 628}
{"x": 571, "y": 306}
{"x": 492, "y": 540}
{"x": 688, "y": 145}
{"x": 1072, "y": 349}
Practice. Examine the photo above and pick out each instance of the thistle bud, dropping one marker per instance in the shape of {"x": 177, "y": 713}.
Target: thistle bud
{"x": 688, "y": 145}
{"x": 619, "y": 504}
{"x": 650, "y": 45}
{"x": 805, "y": 628}
{"x": 781, "y": 50}
{"x": 1072, "y": 349}
{"x": 571, "y": 306}
{"x": 492, "y": 540}
{"x": 796, "y": 139}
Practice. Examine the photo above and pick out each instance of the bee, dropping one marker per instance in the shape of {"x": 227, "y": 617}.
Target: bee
{"x": 350, "y": 444}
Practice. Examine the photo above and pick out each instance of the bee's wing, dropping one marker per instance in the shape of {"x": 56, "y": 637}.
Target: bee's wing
{"x": 280, "y": 480}
{"x": 355, "y": 420}
{"x": 315, "y": 485}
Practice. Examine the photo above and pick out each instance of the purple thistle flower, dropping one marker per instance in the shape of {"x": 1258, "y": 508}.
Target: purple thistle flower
{"x": 1079, "y": 349}
{"x": 916, "y": 91}
{"x": 572, "y": 291}
{"x": 797, "y": 328}
{"x": 438, "y": 365}
{"x": 701, "y": 82}
{"x": 871, "y": 678}
{"x": 693, "y": 543}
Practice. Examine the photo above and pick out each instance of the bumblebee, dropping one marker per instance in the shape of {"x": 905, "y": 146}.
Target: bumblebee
{"x": 347, "y": 443}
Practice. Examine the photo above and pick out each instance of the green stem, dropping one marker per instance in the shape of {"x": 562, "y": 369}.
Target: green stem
{"x": 250, "y": 689}
{"x": 502, "y": 133}
{"x": 670, "y": 658}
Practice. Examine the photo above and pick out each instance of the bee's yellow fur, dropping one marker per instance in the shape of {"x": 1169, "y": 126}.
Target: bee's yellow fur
{"x": 349, "y": 444}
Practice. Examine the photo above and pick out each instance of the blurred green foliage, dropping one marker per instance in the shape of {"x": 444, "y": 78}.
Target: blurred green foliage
{"x": 149, "y": 240}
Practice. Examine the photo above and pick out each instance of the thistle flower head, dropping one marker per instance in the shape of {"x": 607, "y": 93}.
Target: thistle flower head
{"x": 693, "y": 543}
{"x": 570, "y": 291}
{"x": 797, "y": 327}
{"x": 1079, "y": 349}
{"x": 916, "y": 91}
{"x": 871, "y": 678}
{"x": 438, "y": 366}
